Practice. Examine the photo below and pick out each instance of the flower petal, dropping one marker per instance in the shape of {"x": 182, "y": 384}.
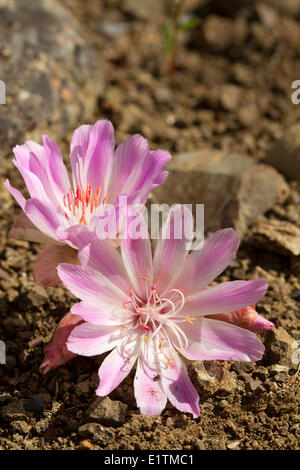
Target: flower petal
{"x": 136, "y": 169}
{"x": 213, "y": 339}
{"x": 92, "y": 149}
{"x": 23, "y": 229}
{"x": 172, "y": 246}
{"x": 225, "y": 297}
{"x": 77, "y": 235}
{"x": 150, "y": 397}
{"x": 16, "y": 194}
{"x": 44, "y": 216}
{"x": 153, "y": 173}
{"x": 103, "y": 257}
{"x": 45, "y": 268}
{"x": 78, "y": 150}
{"x": 91, "y": 286}
{"x": 115, "y": 367}
{"x": 137, "y": 255}
{"x": 32, "y": 164}
{"x": 112, "y": 219}
{"x": 129, "y": 159}
{"x": 88, "y": 339}
{"x": 177, "y": 385}
{"x": 56, "y": 170}
{"x": 95, "y": 315}
{"x": 204, "y": 265}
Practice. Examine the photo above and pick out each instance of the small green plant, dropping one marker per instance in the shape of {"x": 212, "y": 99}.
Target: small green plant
{"x": 170, "y": 34}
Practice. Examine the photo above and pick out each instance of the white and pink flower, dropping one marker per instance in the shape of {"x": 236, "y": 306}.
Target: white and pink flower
{"x": 154, "y": 310}
{"x": 100, "y": 175}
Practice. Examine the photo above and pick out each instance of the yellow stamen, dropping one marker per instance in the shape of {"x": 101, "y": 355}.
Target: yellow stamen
{"x": 190, "y": 320}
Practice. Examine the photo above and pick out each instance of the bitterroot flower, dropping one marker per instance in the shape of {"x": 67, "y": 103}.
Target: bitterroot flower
{"x": 154, "y": 310}
{"x": 99, "y": 177}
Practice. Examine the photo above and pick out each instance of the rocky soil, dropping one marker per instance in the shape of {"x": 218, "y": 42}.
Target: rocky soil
{"x": 226, "y": 115}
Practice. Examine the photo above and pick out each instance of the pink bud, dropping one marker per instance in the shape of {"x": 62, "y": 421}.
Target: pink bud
{"x": 56, "y": 352}
{"x": 245, "y": 318}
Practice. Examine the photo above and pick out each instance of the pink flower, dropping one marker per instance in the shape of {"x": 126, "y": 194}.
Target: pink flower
{"x": 154, "y": 310}
{"x": 56, "y": 352}
{"x": 99, "y": 175}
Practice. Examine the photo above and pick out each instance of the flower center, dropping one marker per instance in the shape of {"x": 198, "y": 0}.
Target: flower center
{"x": 80, "y": 205}
{"x": 159, "y": 316}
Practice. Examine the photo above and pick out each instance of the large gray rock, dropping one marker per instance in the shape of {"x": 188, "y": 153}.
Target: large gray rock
{"x": 285, "y": 153}
{"x": 234, "y": 189}
{"x": 51, "y": 74}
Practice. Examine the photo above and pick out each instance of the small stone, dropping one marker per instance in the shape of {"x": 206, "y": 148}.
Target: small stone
{"x": 252, "y": 385}
{"x": 277, "y": 368}
{"x": 199, "y": 444}
{"x": 106, "y": 411}
{"x": 82, "y": 388}
{"x": 233, "y": 445}
{"x": 4, "y": 397}
{"x": 232, "y": 32}
{"x": 163, "y": 95}
{"x": 96, "y": 433}
{"x": 285, "y": 153}
{"x": 281, "y": 377}
{"x": 216, "y": 444}
{"x": 38, "y": 295}
{"x": 35, "y": 403}
{"x": 211, "y": 378}
{"x": 86, "y": 445}
{"x": 21, "y": 427}
{"x": 278, "y": 345}
{"x": 142, "y": 11}
{"x": 277, "y": 236}
{"x": 248, "y": 114}
{"x": 261, "y": 372}
{"x": 296, "y": 294}
{"x": 42, "y": 425}
{"x": 14, "y": 411}
{"x": 113, "y": 28}
{"x": 230, "y": 96}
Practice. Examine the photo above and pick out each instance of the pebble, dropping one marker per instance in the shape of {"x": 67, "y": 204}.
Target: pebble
{"x": 38, "y": 295}
{"x": 277, "y": 368}
{"x": 35, "y": 403}
{"x": 14, "y": 411}
{"x": 106, "y": 411}
{"x": 96, "y": 432}
{"x": 4, "y": 397}
{"x": 252, "y": 385}
{"x": 113, "y": 28}
{"x": 21, "y": 427}
{"x": 278, "y": 345}
{"x": 233, "y": 445}
{"x": 210, "y": 378}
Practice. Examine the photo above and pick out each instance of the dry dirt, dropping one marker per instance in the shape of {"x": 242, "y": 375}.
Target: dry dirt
{"x": 234, "y": 97}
